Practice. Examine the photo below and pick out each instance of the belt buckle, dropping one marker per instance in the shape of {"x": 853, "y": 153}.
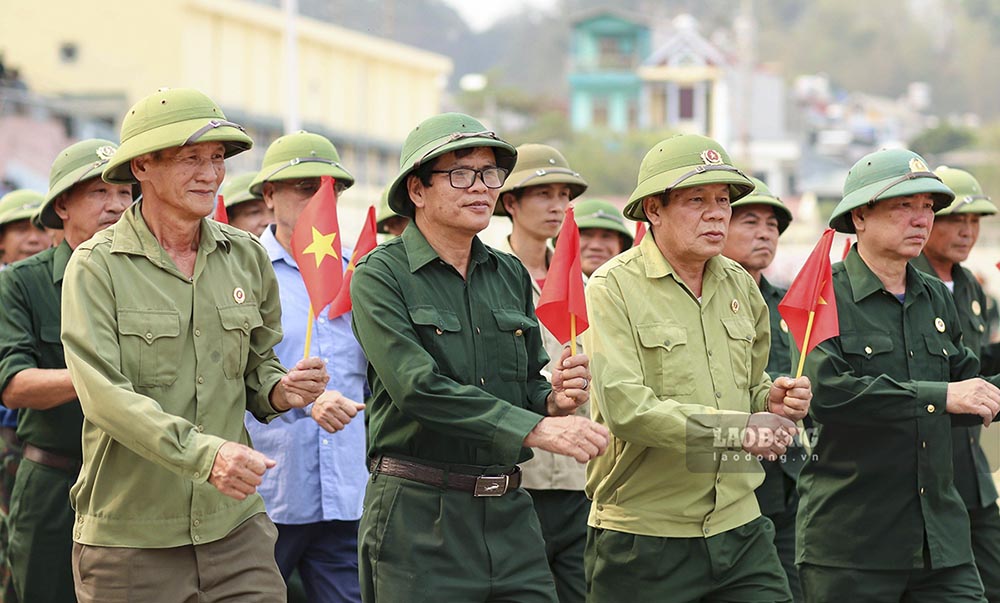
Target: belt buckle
{"x": 491, "y": 485}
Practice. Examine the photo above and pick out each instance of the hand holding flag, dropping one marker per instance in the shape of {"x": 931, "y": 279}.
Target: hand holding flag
{"x": 562, "y": 307}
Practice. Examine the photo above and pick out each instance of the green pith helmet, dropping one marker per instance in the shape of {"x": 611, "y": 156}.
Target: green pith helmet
{"x": 598, "y": 213}
{"x": 436, "y": 136}
{"x": 969, "y": 197}
{"x": 300, "y": 155}
{"x": 883, "y": 175}
{"x": 236, "y": 189}
{"x": 540, "y": 164}
{"x": 383, "y": 212}
{"x": 76, "y": 163}
{"x": 172, "y": 118}
{"x": 18, "y": 205}
{"x": 761, "y": 195}
{"x": 683, "y": 161}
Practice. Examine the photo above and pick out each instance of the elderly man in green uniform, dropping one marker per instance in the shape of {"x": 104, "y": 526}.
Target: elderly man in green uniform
{"x": 34, "y": 378}
{"x": 535, "y": 197}
{"x": 168, "y": 325}
{"x": 19, "y": 237}
{"x": 603, "y": 234}
{"x": 880, "y": 518}
{"x": 245, "y": 209}
{"x": 679, "y": 338}
{"x": 955, "y": 232}
{"x": 757, "y": 222}
{"x": 458, "y": 395}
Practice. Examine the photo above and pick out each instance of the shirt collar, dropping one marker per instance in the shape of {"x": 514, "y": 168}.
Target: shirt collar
{"x": 657, "y": 266}
{"x": 274, "y": 249}
{"x": 420, "y": 253}
{"x": 865, "y": 283}
{"x": 767, "y": 289}
{"x": 131, "y": 235}
{"x": 59, "y": 260}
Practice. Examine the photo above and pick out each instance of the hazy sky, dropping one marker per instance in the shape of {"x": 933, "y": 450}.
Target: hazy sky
{"x": 480, "y": 14}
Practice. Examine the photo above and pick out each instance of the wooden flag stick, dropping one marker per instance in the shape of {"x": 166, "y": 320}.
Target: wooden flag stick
{"x": 309, "y": 333}
{"x": 572, "y": 334}
{"x": 806, "y": 444}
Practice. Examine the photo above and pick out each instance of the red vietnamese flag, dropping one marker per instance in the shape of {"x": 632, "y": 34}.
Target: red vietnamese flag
{"x": 316, "y": 246}
{"x": 366, "y": 242}
{"x": 562, "y": 295}
{"x": 847, "y": 247}
{"x": 640, "y": 231}
{"x": 220, "y": 211}
{"x": 812, "y": 292}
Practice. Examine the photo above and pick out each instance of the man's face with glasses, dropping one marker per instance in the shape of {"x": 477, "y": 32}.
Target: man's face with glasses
{"x": 462, "y": 193}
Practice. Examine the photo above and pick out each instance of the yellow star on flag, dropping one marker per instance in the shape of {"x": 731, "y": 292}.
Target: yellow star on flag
{"x": 321, "y": 246}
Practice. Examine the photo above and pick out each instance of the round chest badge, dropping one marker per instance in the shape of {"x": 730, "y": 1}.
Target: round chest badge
{"x": 784, "y": 326}
{"x": 711, "y": 157}
{"x": 939, "y": 324}
{"x": 976, "y": 308}
{"x": 240, "y": 296}
{"x": 735, "y": 305}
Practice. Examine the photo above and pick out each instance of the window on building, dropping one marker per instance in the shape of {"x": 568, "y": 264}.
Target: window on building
{"x": 612, "y": 55}
{"x": 686, "y": 103}
{"x": 599, "y": 115}
{"x": 68, "y": 52}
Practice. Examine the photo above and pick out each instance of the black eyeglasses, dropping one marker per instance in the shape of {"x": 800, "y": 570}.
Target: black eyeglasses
{"x": 493, "y": 177}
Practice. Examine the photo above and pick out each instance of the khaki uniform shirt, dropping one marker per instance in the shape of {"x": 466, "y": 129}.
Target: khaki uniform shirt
{"x": 675, "y": 380}
{"x": 166, "y": 367}
{"x": 550, "y": 471}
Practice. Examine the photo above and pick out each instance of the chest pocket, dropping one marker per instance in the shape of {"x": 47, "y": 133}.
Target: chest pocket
{"x": 740, "y": 343}
{"x": 869, "y": 354}
{"x": 237, "y": 324}
{"x": 663, "y": 353}
{"x": 150, "y": 346}
{"x": 438, "y": 330}
{"x": 512, "y": 351}
{"x": 941, "y": 350}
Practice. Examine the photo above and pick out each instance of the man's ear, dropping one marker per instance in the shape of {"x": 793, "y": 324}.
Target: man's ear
{"x": 415, "y": 189}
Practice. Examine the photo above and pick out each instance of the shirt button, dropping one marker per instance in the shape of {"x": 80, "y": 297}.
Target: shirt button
{"x": 149, "y": 336}
{"x": 438, "y": 331}
{"x": 718, "y": 394}
{"x": 246, "y": 325}
{"x": 911, "y": 353}
{"x": 921, "y": 491}
{"x": 598, "y": 522}
{"x": 197, "y": 474}
{"x": 868, "y": 349}
{"x": 718, "y": 480}
{"x": 197, "y": 332}
{"x": 200, "y": 428}
{"x": 482, "y": 380}
{"x": 600, "y": 507}
{"x": 706, "y": 531}
{"x": 197, "y": 538}
{"x": 972, "y": 440}
{"x": 326, "y": 441}
{"x": 201, "y": 379}
{"x": 197, "y": 523}
{"x": 931, "y": 408}
{"x": 710, "y": 353}
{"x": 923, "y": 444}
{"x": 518, "y": 333}
{"x": 944, "y": 351}
{"x": 478, "y": 331}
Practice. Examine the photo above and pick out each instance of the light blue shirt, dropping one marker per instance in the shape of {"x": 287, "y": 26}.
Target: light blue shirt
{"x": 320, "y": 476}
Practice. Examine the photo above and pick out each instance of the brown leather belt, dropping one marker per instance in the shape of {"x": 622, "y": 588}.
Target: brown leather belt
{"x": 478, "y": 485}
{"x": 50, "y": 459}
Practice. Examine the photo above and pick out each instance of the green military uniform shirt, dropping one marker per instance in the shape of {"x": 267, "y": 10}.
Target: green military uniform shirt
{"x": 972, "y": 471}
{"x": 672, "y": 374}
{"x": 166, "y": 367}
{"x": 30, "y": 296}
{"x": 772, "y": 495}
{"x": 454, "y": 364}
{"x": 882, "y": 466}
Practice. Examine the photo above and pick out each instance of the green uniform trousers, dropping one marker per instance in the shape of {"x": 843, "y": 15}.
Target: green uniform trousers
{"x": 784, "y": 538}
{"x": 985, "y": 524}
{"x": 10, "y": 458}
{"x": 41, "y": 534}
{"x": 823, "y": 584}
{"x": 740, "y": 565}
{"x": 418, "y": 543}
{"x": 563, "y": 517}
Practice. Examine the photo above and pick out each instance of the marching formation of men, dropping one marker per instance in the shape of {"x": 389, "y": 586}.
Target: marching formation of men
{"x": 179, "y": 422}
